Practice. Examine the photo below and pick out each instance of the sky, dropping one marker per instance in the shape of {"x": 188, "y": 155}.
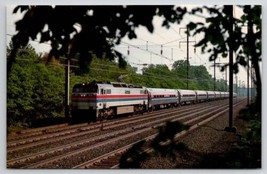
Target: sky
{"x": 161, "y": 36}
{"x": 146, "y": 49}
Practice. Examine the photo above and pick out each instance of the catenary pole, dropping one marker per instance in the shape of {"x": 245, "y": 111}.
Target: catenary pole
{"x": 230, "y": 128}
{"x": 67, "y": 89}
{"x": 187, "y": 56}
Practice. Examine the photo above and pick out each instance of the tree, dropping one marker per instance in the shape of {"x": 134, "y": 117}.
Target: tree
{"x": 20, "y": 87}
{"x": 199, "y": 77}
{"x": 217, "y": 28}
{"x": 101, "y": 27}
{"x": 180, "y": 70}
{"x": 160, "y": 76}
{"x": 34, "y": 90}
{"x": 202, "y": 77}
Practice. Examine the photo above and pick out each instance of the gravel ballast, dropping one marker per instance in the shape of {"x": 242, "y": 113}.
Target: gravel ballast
{"x": 208, "y": 141}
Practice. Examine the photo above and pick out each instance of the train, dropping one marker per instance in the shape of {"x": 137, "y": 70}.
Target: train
{"x": 98, "y": 100}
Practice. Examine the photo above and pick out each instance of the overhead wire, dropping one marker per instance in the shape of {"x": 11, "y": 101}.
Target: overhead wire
{"x": 146, "y": 50}
{"x": 135, "y": 46}
{"x": 147, "y": 74}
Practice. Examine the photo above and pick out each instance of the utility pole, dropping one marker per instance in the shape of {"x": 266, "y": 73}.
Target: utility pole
{"x": 240, "y": 88}
{"x": 161, "y": 52}
{"x": 248, "y": 83}
{"x": 67, "y": 89}
{"x": 230, "y": 128}
{"x": 252, "y": 82}
{"x": 67, "y": 84}
{"x": 187, "y": 53}
{"x": 225, "y": 85}
{"x": 187, "y": 56}
{"x": 214, "y": 85}
{"x": 236, "y": 79}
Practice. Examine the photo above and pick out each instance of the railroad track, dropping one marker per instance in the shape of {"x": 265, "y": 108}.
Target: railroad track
{"x": 78, "y": 144}
{"x": 52, "y": 138}
{"x": 38, "y": 134}
{"x": 111, "y": 159}
{"x": 83, "y": 129}
{"x": 51, "y": 156}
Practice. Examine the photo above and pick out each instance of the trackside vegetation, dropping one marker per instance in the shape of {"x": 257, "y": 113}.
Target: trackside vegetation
{"x": 35, "y": 87}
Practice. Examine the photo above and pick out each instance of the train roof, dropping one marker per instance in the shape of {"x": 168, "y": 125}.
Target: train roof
{"x": 186, "y": 90}
{"x": 110, "y": 84}
{"x": 161, "y": 90}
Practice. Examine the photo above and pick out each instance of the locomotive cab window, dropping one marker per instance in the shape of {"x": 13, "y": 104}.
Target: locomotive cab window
{"x": 83, "y": 88}
{"x": 91, "y": 88}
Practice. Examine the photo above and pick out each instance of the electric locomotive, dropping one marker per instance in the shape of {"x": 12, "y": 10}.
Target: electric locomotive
{"x": 102, "y": 100}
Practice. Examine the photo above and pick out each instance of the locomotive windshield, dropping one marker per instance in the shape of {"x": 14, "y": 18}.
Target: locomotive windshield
{"x": 85, "y": 88}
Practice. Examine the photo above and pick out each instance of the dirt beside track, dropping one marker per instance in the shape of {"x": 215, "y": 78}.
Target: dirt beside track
{"x": 207, "y": 145}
